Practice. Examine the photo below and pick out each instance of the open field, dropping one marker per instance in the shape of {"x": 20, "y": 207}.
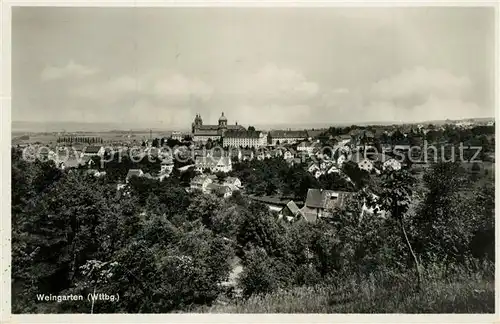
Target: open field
{"x": 51, "y": 138}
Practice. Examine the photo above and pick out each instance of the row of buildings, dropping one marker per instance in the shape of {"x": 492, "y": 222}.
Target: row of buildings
{"x": 238, "y": 136}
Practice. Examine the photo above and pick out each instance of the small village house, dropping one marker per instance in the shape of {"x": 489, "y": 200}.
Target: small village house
{"x": 320, "y": 203}
{"x": 221, "y": 164}
{"x": 220, "y": 190}
{"x": 290, "y": 212}
{"x": 363, "y": 162}
{"x": 233, "y": 182}
{"x": 201, "y": 183}
{"x": 93, "y": 150}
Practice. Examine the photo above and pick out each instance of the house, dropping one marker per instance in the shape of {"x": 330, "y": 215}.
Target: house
{"x": 277, "y": 137}
{"x": 362, "y": 161}
{"x": 220, "y": 190}
{"x": 87, "y": 160}
{"x": 133, "y": 173}
{"x": 179, "y": 136}
{"x": 201, "y": 183}
{"x": 290, "y": 211}
{"x": 306, "y": 147}
{"x": 221, "y": 164}
{"x": 273, "y": 203}
{"x": 384, "y": 161}
{"x": 93, "y": 150}
{"x": 320, "y": 203}
{"x": 244, "y": 138}
{"x": 233, "y": 182}
{"x": 246, "y": 155}
{"x": 366, "y": 165}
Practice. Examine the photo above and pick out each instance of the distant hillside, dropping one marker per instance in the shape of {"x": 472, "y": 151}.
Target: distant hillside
{"x": 37, "y": 127}
{"x": 21, "y": 127}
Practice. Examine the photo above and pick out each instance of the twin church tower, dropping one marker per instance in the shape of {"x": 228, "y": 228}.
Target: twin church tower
{"x": 197, "y": 127}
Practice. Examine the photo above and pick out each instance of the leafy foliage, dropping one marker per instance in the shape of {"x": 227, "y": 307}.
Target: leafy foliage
{"x": 162, "y": 249}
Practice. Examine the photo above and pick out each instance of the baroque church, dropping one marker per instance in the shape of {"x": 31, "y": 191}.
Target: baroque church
{"x": 202, "y": 133}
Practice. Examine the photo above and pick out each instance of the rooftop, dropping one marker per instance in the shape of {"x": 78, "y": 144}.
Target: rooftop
{"x": 231, "y": 133}
{"x": 288, "y": 133}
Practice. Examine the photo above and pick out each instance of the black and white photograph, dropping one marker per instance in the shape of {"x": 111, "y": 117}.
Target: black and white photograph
{"x": 251, "y": 160}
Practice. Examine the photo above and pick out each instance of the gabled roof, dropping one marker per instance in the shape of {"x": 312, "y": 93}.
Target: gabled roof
{"x": 316, "y": 198}
{"x": 200, "y": 179}
{"x": 231, "y": 180}
{"x": 308, "y": 214}
{"x": 230, "y": 133}
{"x": 92, "y": 149}
{"x": 292, "y": 206}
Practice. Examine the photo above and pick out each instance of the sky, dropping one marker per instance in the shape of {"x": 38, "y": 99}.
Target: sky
{"x": 257, "y": 65}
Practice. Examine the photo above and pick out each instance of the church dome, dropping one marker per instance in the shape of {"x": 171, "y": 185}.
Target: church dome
{"x": 222, "y": 118}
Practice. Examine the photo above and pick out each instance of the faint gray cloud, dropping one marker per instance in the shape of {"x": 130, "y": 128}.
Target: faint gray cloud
{"x": 70, "y": 70}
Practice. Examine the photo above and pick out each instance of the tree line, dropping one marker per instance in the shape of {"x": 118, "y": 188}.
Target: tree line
{"x": 88, "y": 140}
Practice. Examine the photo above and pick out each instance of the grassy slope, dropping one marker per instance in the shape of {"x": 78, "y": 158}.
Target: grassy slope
{"x": 465, "y": 295}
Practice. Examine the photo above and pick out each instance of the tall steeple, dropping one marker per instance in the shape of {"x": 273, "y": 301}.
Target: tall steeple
{"x": 222, "y": 120}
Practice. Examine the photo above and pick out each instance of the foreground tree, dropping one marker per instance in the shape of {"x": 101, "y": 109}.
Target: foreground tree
{"x": 395, "y": 196}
